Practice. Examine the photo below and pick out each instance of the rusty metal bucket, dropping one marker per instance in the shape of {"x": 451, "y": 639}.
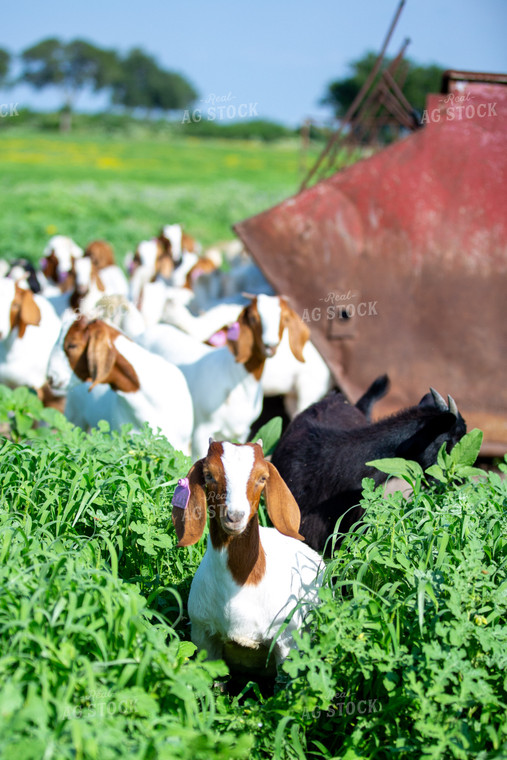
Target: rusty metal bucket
{"x": 399, "y": 263}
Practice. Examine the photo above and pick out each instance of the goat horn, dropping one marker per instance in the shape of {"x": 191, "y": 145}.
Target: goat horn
{"x": 439, "y": 401}
{"x": 452, "y": 406}
{"x": 259, "y": 442}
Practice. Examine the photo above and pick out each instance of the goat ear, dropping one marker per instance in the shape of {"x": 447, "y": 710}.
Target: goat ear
{"x": 191, "y": 521}
{"x": 124, "y": 376}
{"x": 242, "y": 346}
{"x": 29, "y": 313}
{"x": 283, "y": 510}
{"x": 298, "y": 333}
{"x": 100, "y": 354}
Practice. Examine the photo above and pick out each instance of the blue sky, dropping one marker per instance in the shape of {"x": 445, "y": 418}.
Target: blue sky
{"x": 275, "y": 56}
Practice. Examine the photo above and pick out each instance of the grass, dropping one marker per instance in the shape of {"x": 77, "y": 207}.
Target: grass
{"x": 405, "y": 657}
{"x": 124, "y": 190}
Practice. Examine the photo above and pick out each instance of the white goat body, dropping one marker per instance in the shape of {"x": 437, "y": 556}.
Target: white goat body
{"x": 114, "y": 280}
{"x": 204, "y": 325}
{"x": 301, "y": 384}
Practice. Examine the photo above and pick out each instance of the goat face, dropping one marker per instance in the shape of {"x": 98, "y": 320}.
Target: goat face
{"x": 235, "y": 479}
{"x": 261, "y": 325}
{"x": 145, "y": 256}
{"x": 85, "y": 273}
{"x": 57, "y": 261}
{"x": 101, "y": 253}
{"x": 230, "y": 480}
{"x": 51, "y": 269}
{"x": 90, "y": 349}
{"x": 154, "y": 257}
{"x": 441, "y": 422}
{"x": 49, "y": 266}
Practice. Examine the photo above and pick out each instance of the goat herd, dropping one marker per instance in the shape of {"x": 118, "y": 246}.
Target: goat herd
{"x": 179, "y": 345}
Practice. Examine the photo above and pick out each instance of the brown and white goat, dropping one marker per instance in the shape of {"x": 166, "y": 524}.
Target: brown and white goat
{"x": 251, "y": 577}
{"x": 29, "y": 328}
{"x": 225, "y": 382}
{"x": 137, "y": 385}
{"x": 57, "y": 262}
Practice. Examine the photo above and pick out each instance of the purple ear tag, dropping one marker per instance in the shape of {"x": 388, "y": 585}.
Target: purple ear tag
{"x": 218, "y": 339}
{"x": 62, "y": 276}
{"x": 43, "y": 262}
{"x": 181, "y": 494}
{"x": 233, "y": 331}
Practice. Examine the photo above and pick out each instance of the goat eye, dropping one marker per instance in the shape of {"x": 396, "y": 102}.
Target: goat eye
{"x": 208, "y": 477}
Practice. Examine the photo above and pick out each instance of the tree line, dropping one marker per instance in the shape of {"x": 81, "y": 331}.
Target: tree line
{"x": 134, "y": 80}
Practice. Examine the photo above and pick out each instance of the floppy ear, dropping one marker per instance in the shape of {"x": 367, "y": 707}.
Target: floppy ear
{"x": 242, "y": 346}
{"x": 191, "y": 521}
{"x": 100, "y": 354}
{"x": 283, "y": 510}
{"x": 96, "y": 276}
{"x": 298, "y": 333}
{"x": 29, "y": 313}
{"x": 50, "y": 267}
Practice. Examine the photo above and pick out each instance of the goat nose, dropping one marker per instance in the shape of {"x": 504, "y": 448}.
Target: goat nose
{"x": 270, "y": 350}
{"x": 233, "y": 516}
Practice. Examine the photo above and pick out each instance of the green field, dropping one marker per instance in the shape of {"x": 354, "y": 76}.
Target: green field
{"x": 404, "y": 658}
{"x": 124, "y": 190}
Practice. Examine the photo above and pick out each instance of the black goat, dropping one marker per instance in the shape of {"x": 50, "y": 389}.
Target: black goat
{"x": 322, "y": 454}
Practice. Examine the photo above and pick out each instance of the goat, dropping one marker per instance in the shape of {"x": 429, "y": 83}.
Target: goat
{"x": 152, "y": 259}
{"x": 29, "y": 328}
{"x": 250, "y": 578}
{"x": 92, "y": 283}
{"x": 188, "y": 262}
{"x": 139, "y": 386}
{"x": 323, "y": 453}
{"x": 301, "y": 383}
{"x": 88, "y": 288}
{"x": 102, "y": 256}
{"x": 225, "y": 382}
{"x": 57, "y": 262}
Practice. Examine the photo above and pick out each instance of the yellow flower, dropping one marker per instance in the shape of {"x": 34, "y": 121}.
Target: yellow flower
{"x": 51, "y": 229}
{"x": 232, "y": 160}
{"x": 480, "y": 620}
